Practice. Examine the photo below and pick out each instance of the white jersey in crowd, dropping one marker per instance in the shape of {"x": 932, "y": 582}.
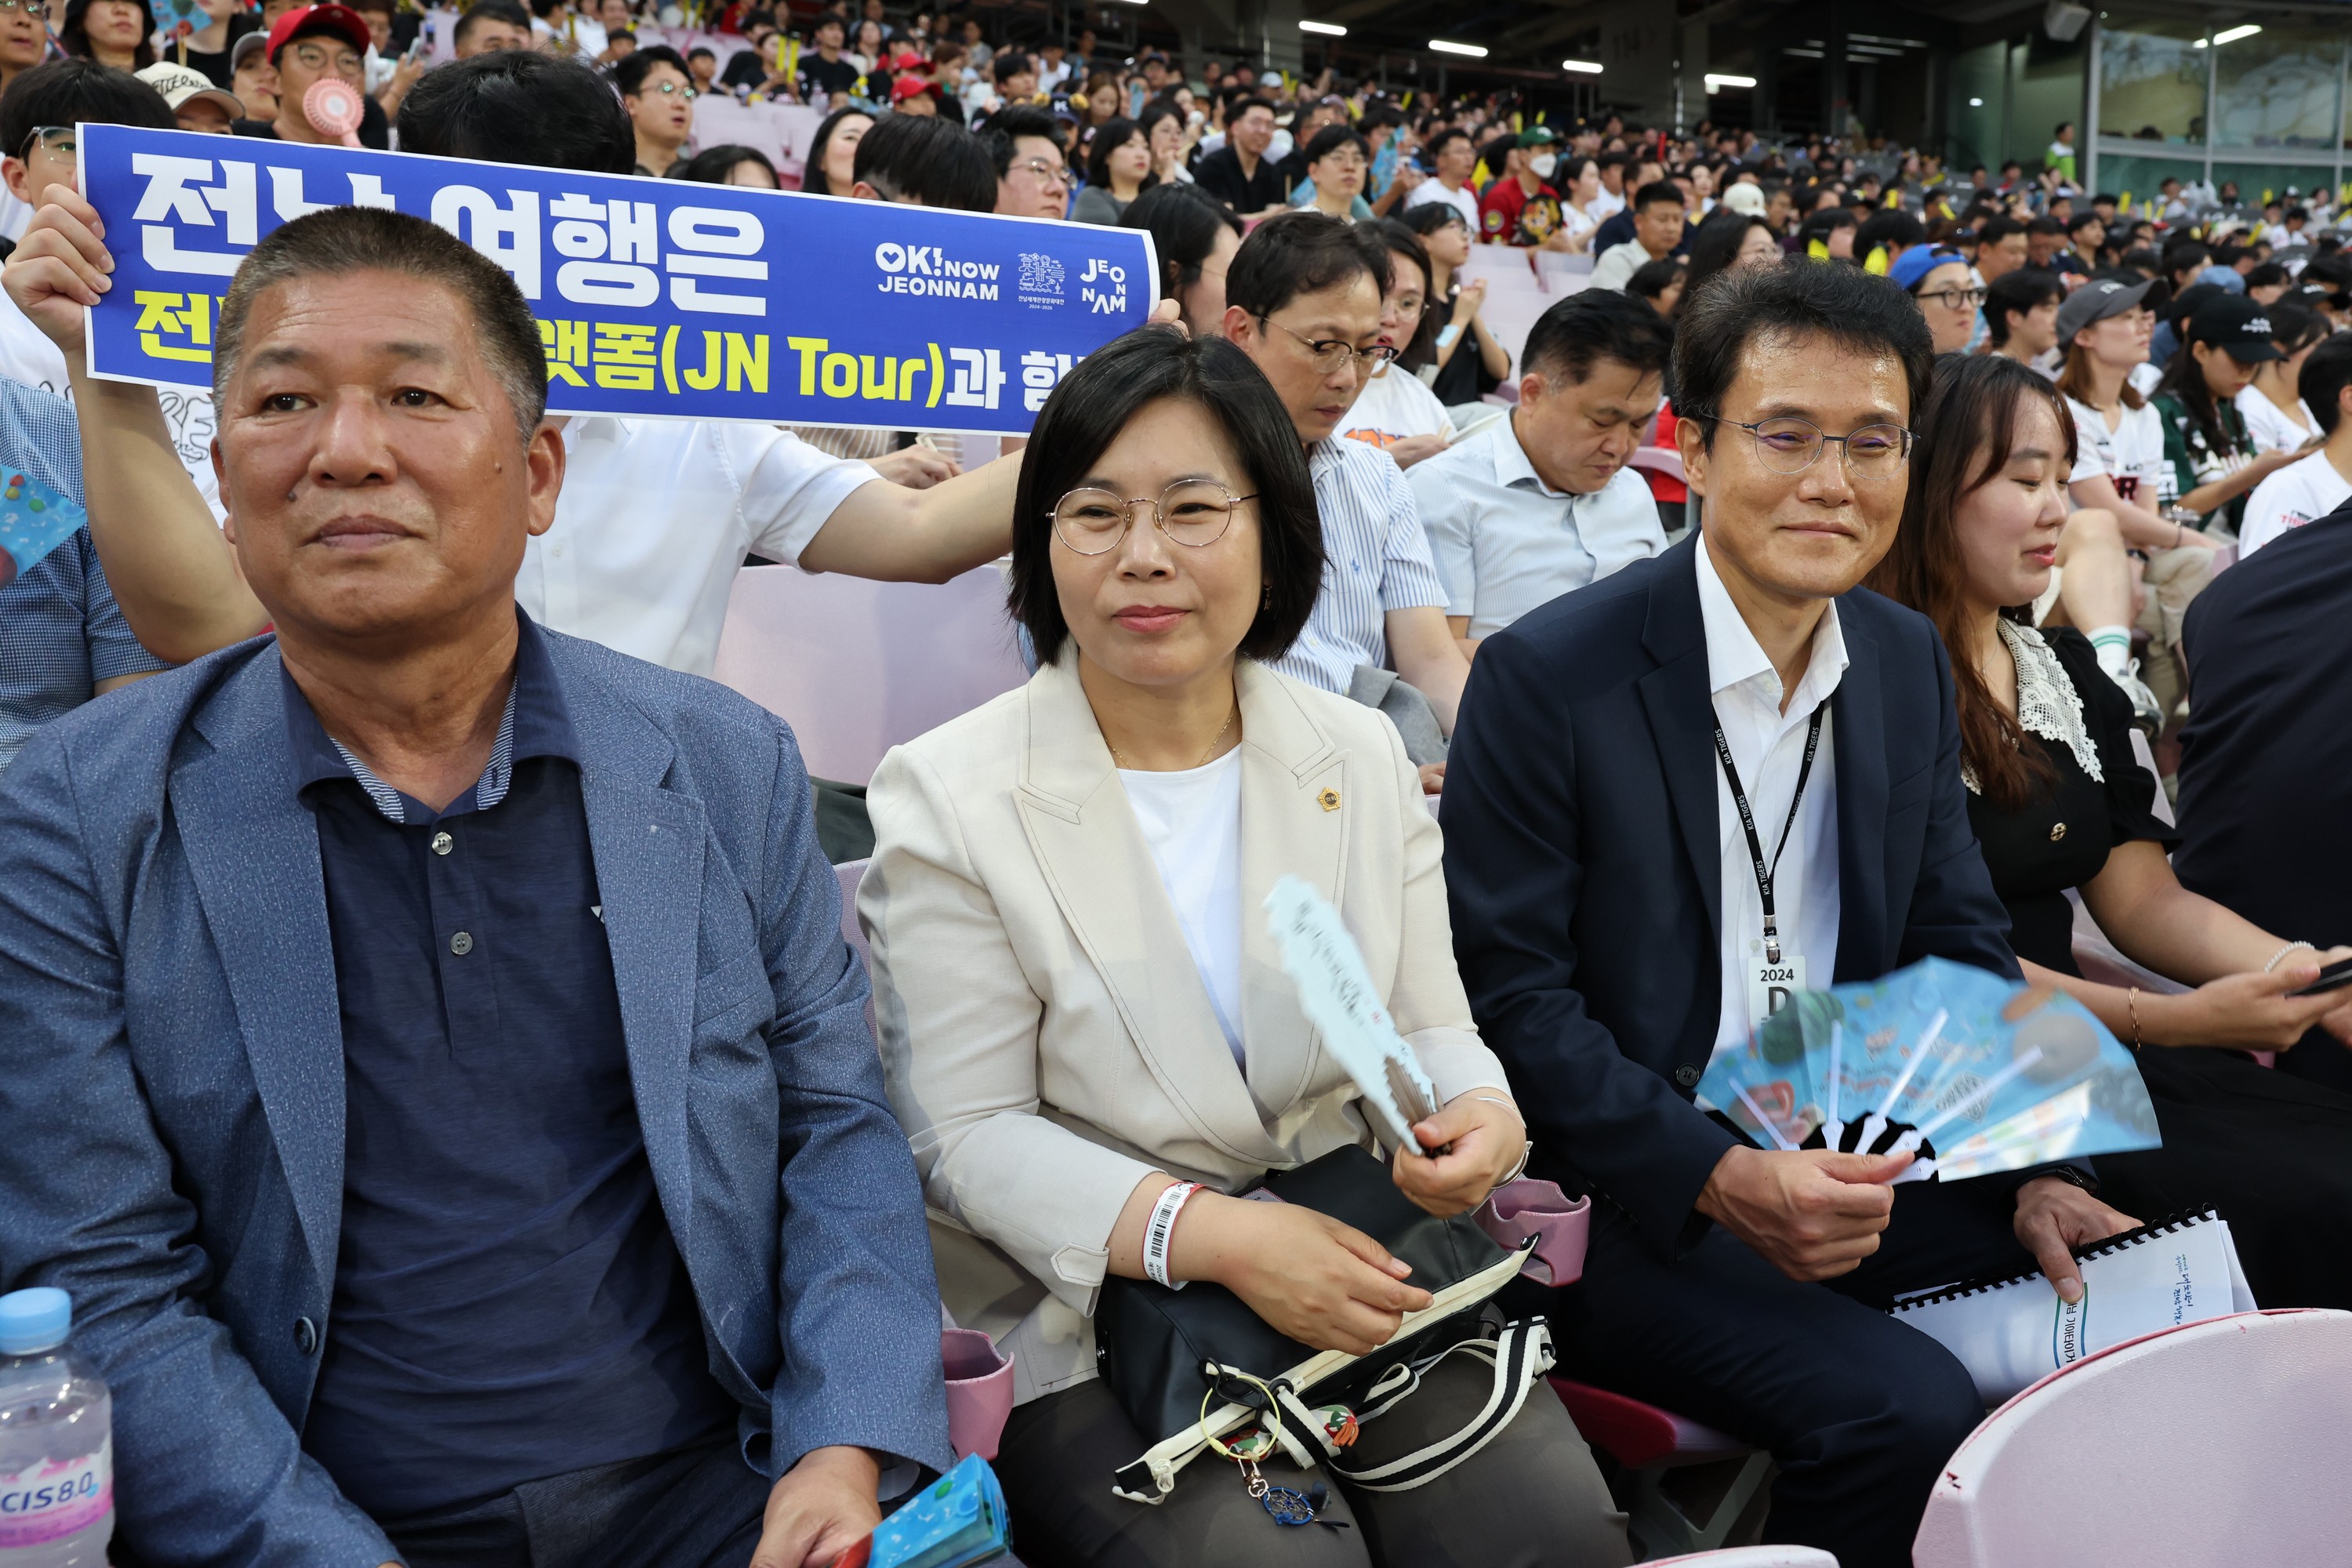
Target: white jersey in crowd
{"x": 1605, "y": 205}
{"x": 2132, "y": 455}
{"x": 2268, "y": 424}
{"x": 29, "y": 357}
{"x": 2301, "y": 492}
{"x": 1463, "y": 201}
{"x": 2144, "y": 377}
{"x": 1395, "y": 404}
{"x": 654, "y": 519}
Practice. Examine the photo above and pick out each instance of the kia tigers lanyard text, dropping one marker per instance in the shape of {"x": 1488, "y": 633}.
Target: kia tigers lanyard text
{"x": 1766, "y": 871}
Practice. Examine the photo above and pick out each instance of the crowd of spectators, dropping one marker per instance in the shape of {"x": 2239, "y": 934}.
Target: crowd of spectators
{"x": 429, "y": 1052}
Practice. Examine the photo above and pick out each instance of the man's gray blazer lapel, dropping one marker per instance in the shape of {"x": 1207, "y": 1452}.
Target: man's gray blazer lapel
{"x": 253, "y": 850}
{"x": 649, "y": 843}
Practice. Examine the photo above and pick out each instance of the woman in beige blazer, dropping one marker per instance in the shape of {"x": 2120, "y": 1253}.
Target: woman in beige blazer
{"x": 1079, "y": 1003}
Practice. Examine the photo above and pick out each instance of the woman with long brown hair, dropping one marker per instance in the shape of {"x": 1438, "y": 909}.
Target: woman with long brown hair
{"x": 2060, "y": 803}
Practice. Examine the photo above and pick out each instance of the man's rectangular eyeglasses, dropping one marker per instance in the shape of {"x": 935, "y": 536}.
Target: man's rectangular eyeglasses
{"x": 670, "y": 90}
{"x": 1193, "y": 512}
{"x": 1330, "y": 353}
{"x": 35, "y": 9}
{"x": 1958, "y": 299}
{"x": 1048, "y": 172}
{"x": 1791, "y": 446}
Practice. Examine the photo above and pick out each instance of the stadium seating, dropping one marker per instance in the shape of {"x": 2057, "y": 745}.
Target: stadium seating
{"x": 1690, "y": 1485}
{"x": 2222, "y": 1442}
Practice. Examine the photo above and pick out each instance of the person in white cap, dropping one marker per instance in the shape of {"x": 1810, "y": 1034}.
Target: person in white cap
{"x": 196, "y": 102}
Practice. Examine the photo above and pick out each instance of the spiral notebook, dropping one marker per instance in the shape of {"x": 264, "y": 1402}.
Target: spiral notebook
{"x": 2010, "y": 1332}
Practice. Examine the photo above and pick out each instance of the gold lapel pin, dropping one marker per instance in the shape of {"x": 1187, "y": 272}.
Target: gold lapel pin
{"x": 1329, "y": 799}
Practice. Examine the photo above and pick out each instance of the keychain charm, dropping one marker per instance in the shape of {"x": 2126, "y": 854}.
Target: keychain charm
{"x": 1287, "y": 1506}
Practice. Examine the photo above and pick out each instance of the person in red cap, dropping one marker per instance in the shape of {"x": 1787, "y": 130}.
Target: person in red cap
{"x": 309, "y": 45}
{"x": 915, "y": 95}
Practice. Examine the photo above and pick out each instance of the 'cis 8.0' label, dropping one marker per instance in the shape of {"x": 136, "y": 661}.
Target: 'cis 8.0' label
{"x": 52, "y": 1499}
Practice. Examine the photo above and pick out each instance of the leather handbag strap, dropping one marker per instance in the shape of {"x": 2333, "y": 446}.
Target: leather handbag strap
{"x": 1521, "y": 1355}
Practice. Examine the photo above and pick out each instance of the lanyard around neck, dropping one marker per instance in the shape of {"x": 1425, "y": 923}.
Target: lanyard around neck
{"x": 1767, "y": 871}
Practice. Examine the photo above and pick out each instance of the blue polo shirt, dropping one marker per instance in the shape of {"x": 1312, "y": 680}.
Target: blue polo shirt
{"x": 509, "y": 1301}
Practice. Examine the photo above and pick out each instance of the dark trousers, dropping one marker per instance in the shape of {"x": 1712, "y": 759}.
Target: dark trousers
{"x": 696, "y": 1507}
{"x": 1859, "y": 1411}
{"x": 1530, "y": 1498}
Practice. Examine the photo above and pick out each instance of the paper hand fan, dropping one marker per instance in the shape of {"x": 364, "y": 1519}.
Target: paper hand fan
{"x": 1972, "y": 1073}
{"x": 957, "y": 1522}
{"x": 1336, "y": 995}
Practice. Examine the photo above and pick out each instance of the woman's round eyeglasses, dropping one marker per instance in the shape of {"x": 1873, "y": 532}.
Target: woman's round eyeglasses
{"x": 1191, "y": 512}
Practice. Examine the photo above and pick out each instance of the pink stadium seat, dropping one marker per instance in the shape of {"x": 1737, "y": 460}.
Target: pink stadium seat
{"x": 1657, "y": 460}
{"x": 2222, "y": 1442}
{"x": 1693, "y": 1512}
{"x": 855, "y": 667}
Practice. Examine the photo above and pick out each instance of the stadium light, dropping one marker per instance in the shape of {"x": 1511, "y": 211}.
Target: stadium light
{"x": 2230, "y": 35}
{"x": 1590, "y": 67}
{"x": 1329, "y": 29}
{"x": 1716, "y": 82}
{"x": 1475, "y": 51}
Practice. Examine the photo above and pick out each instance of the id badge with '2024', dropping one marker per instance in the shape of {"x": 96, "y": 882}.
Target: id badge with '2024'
{"x": 1770, "y": 986}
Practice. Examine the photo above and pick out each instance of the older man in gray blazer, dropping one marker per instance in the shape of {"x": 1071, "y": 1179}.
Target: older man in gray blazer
{"x": 428, "y": 1054}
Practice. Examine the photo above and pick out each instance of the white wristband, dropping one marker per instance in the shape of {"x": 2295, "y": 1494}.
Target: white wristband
{"x": 1161, "y": 1229}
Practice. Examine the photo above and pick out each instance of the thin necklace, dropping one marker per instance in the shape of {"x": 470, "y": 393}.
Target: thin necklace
{"x": 1120, "y": 757}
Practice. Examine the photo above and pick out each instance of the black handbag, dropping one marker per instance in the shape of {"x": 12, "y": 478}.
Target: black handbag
{"x": 1198, "y": 1363}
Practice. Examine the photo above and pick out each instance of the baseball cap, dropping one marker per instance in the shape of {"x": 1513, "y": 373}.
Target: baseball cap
{"x": 337, "y": 21}
{"x": 907, "y": 87}
{"x": 2228, "y": 278}
{"x": 181, "y": 84}
{"x": 1537, "y": 136}
{"x": 2236, "y": 323}
{"x": 1746, "y": 200}
{"x": 1917, "y": 262}
{"x": 251, "y": 44}
{"x": 2096, "y": 301}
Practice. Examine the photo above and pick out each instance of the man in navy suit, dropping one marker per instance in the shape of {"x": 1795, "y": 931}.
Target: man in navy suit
{"x": 1618, "y": 918}
{"x": 428, "y": 1052}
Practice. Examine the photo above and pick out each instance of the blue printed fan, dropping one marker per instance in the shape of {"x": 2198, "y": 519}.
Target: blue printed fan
{"x": 1972, "y": 1073}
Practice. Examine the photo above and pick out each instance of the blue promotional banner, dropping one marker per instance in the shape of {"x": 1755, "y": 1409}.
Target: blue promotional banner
{"x": 654, "y": 298}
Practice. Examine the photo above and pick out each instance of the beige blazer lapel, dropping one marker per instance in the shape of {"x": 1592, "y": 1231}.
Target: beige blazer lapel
{"x": 1295, "y": 822}
{"x": 1107, "y": 886}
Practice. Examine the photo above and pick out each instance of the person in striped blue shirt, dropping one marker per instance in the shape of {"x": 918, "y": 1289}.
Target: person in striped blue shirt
{"x": 1303, "y": 300}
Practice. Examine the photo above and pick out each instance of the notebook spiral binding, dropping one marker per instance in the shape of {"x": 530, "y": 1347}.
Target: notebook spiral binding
{"x": 1977, "y": 1286}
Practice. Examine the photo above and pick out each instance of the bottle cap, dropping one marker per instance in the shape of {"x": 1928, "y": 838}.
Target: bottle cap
{"x": 34, "y": 1320}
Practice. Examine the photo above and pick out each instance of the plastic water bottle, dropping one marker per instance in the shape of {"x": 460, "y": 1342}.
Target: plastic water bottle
{"x": 57, "y": 1444}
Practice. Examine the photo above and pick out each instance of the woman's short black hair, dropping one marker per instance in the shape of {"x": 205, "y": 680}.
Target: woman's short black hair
{"x": 518, "y": 106}
{"x": 1183, "y": 220}
{"x": 716, "y": 165}
{"x": 1845, "y": 305}
{"x": 813, "y": 180}
{"x": 1087, "y": 413}
{"x": 1110, "y": 136}
{"x": 934, "y": 161}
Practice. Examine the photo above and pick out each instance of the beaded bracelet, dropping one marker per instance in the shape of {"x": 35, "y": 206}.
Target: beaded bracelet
{"x": 2279, "y": 956}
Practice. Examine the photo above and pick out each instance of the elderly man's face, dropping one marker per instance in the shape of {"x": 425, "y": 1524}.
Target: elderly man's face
{"x": 378, "y": 491}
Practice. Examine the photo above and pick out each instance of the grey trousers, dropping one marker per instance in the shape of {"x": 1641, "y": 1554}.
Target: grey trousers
{"x": 1530, "y": 1498}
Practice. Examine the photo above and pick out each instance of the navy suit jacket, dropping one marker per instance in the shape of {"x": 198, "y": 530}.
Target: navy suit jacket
{"x": 171, "y": 1086}
{"x": 1584, "y": 861}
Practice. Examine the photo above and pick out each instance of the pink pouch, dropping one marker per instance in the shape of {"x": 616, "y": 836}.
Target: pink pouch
{"x": 1527, "y": 1208}
{"x": 980, "y": 1390}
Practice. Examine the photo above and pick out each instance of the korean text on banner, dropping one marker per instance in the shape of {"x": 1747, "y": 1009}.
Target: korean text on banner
{"x": 653, "y": 296}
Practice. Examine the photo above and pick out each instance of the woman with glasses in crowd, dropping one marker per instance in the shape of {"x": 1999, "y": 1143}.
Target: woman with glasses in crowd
{"x": 832, "y": 163}
{"x": 2059, "y": 801}
{"x": 1471, "y": 362}
{"x": 1081, "y": 1007}
{"x": 1948, "y": 293}
{"x": 1119, "y": 170}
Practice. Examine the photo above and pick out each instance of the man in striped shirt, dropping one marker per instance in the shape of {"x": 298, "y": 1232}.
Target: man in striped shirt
{"x": 1303, "y": 300}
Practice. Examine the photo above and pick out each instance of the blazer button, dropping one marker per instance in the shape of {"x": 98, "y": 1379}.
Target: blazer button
{"x": 306, "y": 1336}
{"x": 1687, "y": 1076}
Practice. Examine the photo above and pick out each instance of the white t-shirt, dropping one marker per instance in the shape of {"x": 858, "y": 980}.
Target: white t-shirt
{"x": 2303, "y": 491}
{"x": 1464, "y": 200}
{"x": 2132, "y": 454}
{"x": 1192, "y": 822}
{"x": 2273, "y": 431}
{"x": 2143, "y": 378}
{"x": 1393, "y": 405}
{"x": 29, "y": 357}
{"x": 1605, "y": 206}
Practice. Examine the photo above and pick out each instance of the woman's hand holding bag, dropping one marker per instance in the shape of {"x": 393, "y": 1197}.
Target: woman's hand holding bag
{"x": 1326, "y": 1285}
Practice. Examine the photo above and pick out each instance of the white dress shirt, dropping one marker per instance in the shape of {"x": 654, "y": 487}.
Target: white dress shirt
{"x": 654, "y": 519}
{"x": 1767, "y": 747}
{"x": 1507, "y": 542}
